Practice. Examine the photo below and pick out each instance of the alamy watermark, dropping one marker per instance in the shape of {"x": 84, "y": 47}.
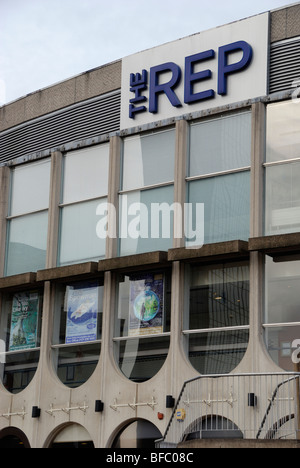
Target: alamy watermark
{"x": 296, "y": 353}
{"x": 157, "y": 221}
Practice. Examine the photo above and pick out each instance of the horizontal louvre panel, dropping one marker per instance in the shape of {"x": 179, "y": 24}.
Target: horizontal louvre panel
{"x": 85, "y": 120}
{"x": 284, "y": 65}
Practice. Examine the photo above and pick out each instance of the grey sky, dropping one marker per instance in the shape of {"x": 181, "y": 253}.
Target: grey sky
{"x": 46, "y": 41}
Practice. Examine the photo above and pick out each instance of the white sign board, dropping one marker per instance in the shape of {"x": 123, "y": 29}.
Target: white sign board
{"x": 207, "y": 70}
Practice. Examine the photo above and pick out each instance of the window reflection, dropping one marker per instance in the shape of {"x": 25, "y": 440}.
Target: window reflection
{"x": 28, "y": 218}
{"x": 77, "y": 331}
{"x": 20, "y": 333}
{"x": 142, "y": 324}
{"x": 283, "y": 137}
{"x": 282, "y": 171}
{"x": 282, "y": 319}
{"x": 218, "y": 332}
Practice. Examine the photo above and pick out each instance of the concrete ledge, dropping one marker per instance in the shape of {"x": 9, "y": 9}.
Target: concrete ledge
{"x": 239, "y": 443}
{"x": 25, "y": 279}
{"x": 74, "y": 272}
{"x": 146, "y": 260}
{"x": 219, "y": 251}
{"x": 281, "y": 244}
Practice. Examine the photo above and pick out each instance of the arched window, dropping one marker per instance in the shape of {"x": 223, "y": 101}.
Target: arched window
{"x": 142, "y": 324}
{"x": 213, "y": 427}
{"x": 13, "y": 438}
{"x": 20, "y": 332}
{"x": 73, "y": 436}
{"x": 139, "y": 434}
{"x": 218, "y": 327}
{"x": 281, "y": 322}
{"x": 77, "y": 331}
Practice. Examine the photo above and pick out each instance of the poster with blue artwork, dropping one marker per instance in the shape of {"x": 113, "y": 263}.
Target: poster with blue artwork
{"x": 82, "y": 314}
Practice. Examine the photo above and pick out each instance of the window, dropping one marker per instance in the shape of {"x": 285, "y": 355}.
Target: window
{"x": 147, "y": 193}
{"x": 73, "y": 436}
{"x": 77, "y": 331}
{"x": 142, "y": 324}
{"x": 282, "y": 320}
{"x": 218, "y": 321}
{"x": 28, "y": 218}
{"x": 219, "y": 175}
{"x": 282, "y": 169}
{"x": 85, "y": 186}
{"x": 138, "y": 434}
{"x": 21, "y": 319}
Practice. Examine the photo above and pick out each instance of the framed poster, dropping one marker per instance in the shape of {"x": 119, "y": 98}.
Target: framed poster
{"x": 146, "y": 305}
{"x": 82, "y": 313}
{"x": 24, "y": 322}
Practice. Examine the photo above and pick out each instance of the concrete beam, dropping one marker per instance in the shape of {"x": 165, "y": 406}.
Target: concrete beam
{"x": 72, "y": 272}
{"x": 152, "y": 259}
{"x": 283, "y": 243}
{"x": 212, "y": 252}
{"x": 24, "y": 279}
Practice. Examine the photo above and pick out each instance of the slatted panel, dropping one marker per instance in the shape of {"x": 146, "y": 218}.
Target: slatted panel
{"x": 92, "y": 118}
{"x": 284, "y": 65}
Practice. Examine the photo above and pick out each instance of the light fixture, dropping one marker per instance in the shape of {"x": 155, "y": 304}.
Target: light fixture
{"x": 99, "y": 406}
{"x": 252, "y": 400}
{"x": 170, "y": 401}
{"x": 36, "y": 412}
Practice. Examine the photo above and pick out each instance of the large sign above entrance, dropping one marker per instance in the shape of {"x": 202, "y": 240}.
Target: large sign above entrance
{"x": 206, "y": 70}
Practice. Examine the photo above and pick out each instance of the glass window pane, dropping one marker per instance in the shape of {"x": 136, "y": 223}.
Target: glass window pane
{"x": 77, "y": 327}
{"x": 148, "y": 160}
{"x": 144, "y": 309}
{"x": 219, "y": 296}
{"x": 219, "y": 352}
{"x": 140, "y": 434}
{"x": 19, "y": 370}
{"x": 282, "y": 199}
{"x": 86, "y": 174}
{"x": 30, "y": 188}
{"x": 27, "y": 244}
{"x": 76, "y": 364}
{"x": 141, "y": 359}
{"x": 221, "y": 144}
{"x": 279, "y": 343}
{"x": 226, "y": 202}
{"x": 282, "y": 291}
{"x": 79, "y": 309}
{"x": 146, "y": 221}
{"x": 283, "y": 136}
{"x": 78, "y": 237}
{"x": 20, "y": 333}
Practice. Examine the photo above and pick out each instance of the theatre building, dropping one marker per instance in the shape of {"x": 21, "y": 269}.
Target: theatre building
{"x": 150, "y": 247}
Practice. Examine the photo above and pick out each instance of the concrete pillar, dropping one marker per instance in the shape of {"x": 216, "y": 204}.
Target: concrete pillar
{"x": 53, "y": 217}
{"x": 4, "y": 202}
{"x": 113, "y": 196}
{"x": 181, "y": 155}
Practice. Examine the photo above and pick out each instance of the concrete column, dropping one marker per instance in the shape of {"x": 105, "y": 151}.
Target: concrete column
{"x": 113, "y": 196}
{"x": 53, "y": 216}
{"x": 179, "y": 180}
{"x": 257, "y": 353}
{"x": 257, "y": 171}
{"x": 4, "y": 202}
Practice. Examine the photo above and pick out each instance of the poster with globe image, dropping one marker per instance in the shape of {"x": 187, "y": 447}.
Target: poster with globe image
{"x": 24, "y": 322}
{"x": 146, "y": 306}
